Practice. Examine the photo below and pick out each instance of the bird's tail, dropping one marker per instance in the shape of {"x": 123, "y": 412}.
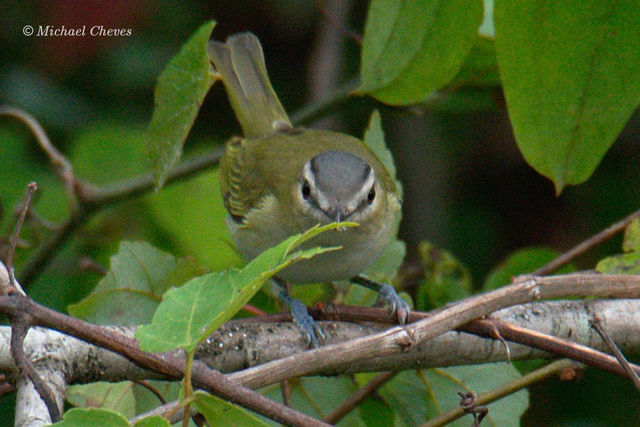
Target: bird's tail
{"x": 240, "y": 63}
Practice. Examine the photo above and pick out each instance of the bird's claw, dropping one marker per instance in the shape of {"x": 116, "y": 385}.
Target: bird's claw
{"x": 398, "y": 306}
{"x": 309, "y": 328}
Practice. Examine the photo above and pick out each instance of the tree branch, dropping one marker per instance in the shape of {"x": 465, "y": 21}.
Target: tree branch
{"x": 404, "y": 338}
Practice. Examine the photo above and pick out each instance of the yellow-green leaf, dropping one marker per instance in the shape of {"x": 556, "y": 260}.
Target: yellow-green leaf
{"x": 180, "y": 90}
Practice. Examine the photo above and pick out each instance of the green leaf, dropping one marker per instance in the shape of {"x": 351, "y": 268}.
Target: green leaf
{"x": 522, "y": 261}
{"x": 180, "y": 90}
{"x": 116, "y": 397}
{"x": 480, "y": 67}
{"x": 412, "y": 48}
{"x": 146, "y": 400}
{"x": 446, "y": 279}
{"x": 374, "y": 139}
{"x": 220, "y": 412}
{"x": 132, "y": 289}
{"x": 571, "y": 76}
{"x": 92, "y": 417}
{"x": 417, "y": 396}
{"x": 629, "y": 262}
{"x": 189, "y": 314}
{"x": 310, "y": 395}
{"x": 196, "y": 201}
{"x": 155, "y": 421}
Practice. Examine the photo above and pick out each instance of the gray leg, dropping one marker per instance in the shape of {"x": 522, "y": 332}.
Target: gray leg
{"x": 301, "y": 317}
{"x": 388, "y": 294}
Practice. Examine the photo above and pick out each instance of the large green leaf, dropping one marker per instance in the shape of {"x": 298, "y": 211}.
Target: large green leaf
{"x": 220, "y": 412}
{"x": 132, "y": 289}
{"x": 117, "y": 397}
{"x": 310, "y": 395}
{"x": 180, "y": 90}
{"x": 417, "y": 396}
{"x": 571, "y": 76}
{"x": 191, "y": 213}
{"x": 92, "y": 417}
{"x": 189, "y": 314}
{"x": 412, "y": 48}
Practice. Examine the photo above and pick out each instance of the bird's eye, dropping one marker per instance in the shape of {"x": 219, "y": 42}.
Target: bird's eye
{"x": 306, "y": 189}
{"x": 372, "y": 195}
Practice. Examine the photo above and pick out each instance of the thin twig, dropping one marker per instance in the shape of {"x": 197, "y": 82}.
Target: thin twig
{"x": 26, "y": 205}
{"x": 285, "y": 390}
{"x": 59, "y": 161}
{"x": 354, "y": 35}
{"x": 356, "y": 398}
{"x": 19, "y": 328}
{"x": 596, "y": 324}
{"x": 329, "y": 103}
{"x": 146, "y": 384}
{"x": 6, "y": 388}
{"x": 538, "y": 375}
{"x": 588, "y": 244}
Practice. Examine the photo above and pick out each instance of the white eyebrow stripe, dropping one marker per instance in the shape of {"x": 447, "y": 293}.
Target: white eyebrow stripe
{"x": 364, "y": 190}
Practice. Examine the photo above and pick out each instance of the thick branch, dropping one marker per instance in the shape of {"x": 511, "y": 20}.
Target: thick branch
{"x": 403, "y": 338}
{"x": 239, "y": 344}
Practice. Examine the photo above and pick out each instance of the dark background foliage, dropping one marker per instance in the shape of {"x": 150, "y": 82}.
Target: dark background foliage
{"x": 467, "y": 187}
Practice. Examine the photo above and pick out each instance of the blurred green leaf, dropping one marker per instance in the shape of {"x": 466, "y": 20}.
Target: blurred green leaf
{"x": 132, "y": 289}
{"x": 411, "y": 49}
{"x": 446, "y": 279}
{"x": 480, "y": 67}
{"x": 374, "y": 139}
{"x": 179, "y": 93}
{"x": 309, "y": 395}
{"x": 417, "y": 396}
{"x": 385, "y": 268}
{"x": 117, "y": 147}
{"x": 571, "y": 76}
{"x": 522, "y": 261}
{"x": 192, "y": 312}
{"x": 18, "y": 169}
{"x": 92, "y": 417}
{"x": 155, "y": 421}
{"x": 116, "y": 397}
{"x": 220, "y": 412}
{"x": 146, "y": 400}
{"x": 192, "y": 214}
{"x": 628, "y": 262}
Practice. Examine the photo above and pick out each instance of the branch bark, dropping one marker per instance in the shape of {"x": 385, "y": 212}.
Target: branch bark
{"x": 240, "y": 344}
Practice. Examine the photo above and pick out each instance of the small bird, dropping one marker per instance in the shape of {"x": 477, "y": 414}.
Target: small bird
{"x": 278, "y": 181}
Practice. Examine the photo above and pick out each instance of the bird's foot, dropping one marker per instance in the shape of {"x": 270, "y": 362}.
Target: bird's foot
{"x": 301, "y": 317}
{"x": 398, "y": 306}
{"x": 309, "y": 328}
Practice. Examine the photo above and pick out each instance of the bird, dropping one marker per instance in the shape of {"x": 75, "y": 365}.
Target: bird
{"x": 278, "y": 180}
